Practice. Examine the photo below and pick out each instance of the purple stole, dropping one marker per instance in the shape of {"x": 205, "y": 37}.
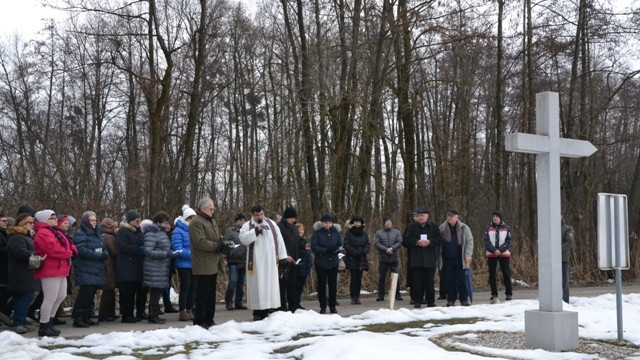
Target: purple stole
{"x": 272, "y": 225}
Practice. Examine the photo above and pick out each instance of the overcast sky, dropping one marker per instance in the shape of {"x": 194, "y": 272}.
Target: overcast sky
{"x": 25, "y": 16}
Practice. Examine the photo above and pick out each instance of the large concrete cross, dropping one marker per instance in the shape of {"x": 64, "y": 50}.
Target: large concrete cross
{"x": 549, "y": 327}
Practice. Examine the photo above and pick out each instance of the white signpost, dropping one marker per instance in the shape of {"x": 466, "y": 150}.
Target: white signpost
{"x": 613, "y": 242}
{"x": 550, "y": 327}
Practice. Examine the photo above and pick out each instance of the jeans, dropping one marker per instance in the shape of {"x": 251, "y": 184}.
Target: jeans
{"x": 187, "y": 289}
{"x": 506, "y": 275}
{"x": 236, "y": 284}
{"x": 21, "y": 302}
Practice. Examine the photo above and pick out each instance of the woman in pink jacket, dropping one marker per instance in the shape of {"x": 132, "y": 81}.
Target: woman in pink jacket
{"x": 58, "y": 249}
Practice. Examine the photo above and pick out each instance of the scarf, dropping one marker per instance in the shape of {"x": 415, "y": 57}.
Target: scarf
{"x": 62, "y": 238}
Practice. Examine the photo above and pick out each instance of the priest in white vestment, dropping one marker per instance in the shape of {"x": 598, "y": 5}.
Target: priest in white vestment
{"x": 265, "y": 247}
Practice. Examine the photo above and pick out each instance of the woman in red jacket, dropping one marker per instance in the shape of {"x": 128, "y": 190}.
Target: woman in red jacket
{"x": 55, "y": 245}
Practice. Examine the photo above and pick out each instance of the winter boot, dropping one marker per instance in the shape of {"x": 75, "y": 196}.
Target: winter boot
{"x": 185, "y": 316}
{"x": 55, "y": 330}
{"x": 358, "y": 301}
{"x": 46, "y": 330}
{"x": 87, "y": 318}
{"x": 154, "y": 311}
{"x": 78, "y": 319}
{"x": 353, "y": 301}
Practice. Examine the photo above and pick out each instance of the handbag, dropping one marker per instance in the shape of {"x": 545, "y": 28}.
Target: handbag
{"x": 35, "y": 261}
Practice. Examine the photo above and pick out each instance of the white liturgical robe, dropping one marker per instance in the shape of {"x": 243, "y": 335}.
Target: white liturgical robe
{"x": 263, "y": 289}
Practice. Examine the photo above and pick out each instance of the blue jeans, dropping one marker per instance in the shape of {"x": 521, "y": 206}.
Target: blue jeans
{"x": 21, "y": 302}
{"x": 236, "y": 284}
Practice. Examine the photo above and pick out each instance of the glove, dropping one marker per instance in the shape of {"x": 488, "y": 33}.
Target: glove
{"x": 104, "y": 256}
{"x": 142, "y": 249}
{"x": 175, "y": 254}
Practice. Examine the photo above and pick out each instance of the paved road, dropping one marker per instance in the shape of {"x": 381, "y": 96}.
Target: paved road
{"x": 345, "y": 309}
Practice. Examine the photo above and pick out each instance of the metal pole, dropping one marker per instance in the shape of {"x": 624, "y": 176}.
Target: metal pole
{"x": 618, "y": 264}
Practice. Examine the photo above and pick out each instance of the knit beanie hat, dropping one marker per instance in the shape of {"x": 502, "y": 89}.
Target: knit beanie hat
{"x": 43, "y": 215}
{"x": 187, "y": 212}
{"x": 326, "y": 217}
{"x": 26, "y": 209}
{"x": 384, "y": 220}
{"x": 498, "y": 214}
{"x": 289, "y": 213}
{"x": 132, "y": 215}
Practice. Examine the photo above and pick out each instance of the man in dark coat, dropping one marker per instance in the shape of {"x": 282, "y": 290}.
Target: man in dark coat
{"x": 423, "y": 238}
{"x": 289, "y": 271}
{"x": 567, "y": 245}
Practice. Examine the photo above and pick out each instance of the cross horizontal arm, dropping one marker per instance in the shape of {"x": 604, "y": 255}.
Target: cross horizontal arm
{"x": 576, "y": 148}
{"x": 526, "y": 143}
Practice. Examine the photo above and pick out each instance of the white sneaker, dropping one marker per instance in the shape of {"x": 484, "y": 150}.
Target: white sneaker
{"x": 495, "y": 300}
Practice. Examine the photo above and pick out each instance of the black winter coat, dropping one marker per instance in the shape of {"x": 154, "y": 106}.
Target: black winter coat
{"x": 290, "y": 236}
{"x": 326, "y": 244}
{"x": 306, "y": 260}
{"x": 157, "y": 257}
{"x": 20, "y": 247}
{"x": 88, "y": 265}
{"x": 4, "y": 238}
{"x": 356, "y": 246}
{"x": 130, "y": 244}
{"x": 423, "y": 257}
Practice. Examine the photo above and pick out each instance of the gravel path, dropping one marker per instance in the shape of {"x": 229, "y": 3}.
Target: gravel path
{"x": 611, "y": 350}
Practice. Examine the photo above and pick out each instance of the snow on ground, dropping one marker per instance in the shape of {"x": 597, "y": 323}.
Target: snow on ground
{"x": 309, "y": 335}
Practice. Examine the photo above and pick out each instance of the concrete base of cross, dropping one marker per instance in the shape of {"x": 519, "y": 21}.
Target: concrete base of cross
{"x": 553, "y": 331}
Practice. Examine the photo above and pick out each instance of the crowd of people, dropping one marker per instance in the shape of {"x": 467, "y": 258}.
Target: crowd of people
{"x": 272, "y": 254}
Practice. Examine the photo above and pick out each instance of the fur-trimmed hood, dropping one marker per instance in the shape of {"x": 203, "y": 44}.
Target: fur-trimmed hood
{"x": 318, "y": 225}
{"x": 128, "y": 226}
{"x": 17, "y": 230}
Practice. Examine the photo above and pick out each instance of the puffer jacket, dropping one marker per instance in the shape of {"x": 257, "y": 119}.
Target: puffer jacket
{"x": 384, "y": 239}
{"x": 130, "y": 243}
{"x": 58, "y": 249}
{"x": 20, "y": 247}
{"x": 326, "y": 244}
{"x": 88, "y": 266}
{"x": 180, "y": 241}
{"x": 157, "y": 257}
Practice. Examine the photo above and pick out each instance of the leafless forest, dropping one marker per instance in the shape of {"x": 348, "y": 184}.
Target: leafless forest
{"x": 370, "y": 107}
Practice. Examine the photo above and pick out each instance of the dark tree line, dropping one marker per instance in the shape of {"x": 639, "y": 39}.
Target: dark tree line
{"x": 370, "y": 107}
